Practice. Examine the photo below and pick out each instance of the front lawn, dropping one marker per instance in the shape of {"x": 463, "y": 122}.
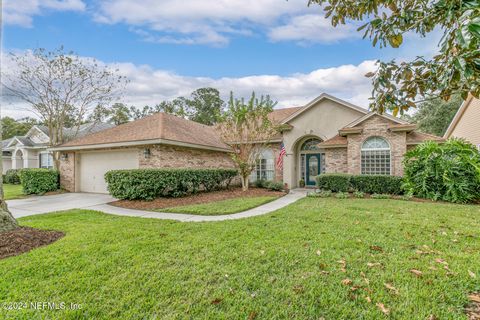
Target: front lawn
{"x": 221, "y": 207}
{"x": 330, "y": 258}
{"x": 13, "y": 191}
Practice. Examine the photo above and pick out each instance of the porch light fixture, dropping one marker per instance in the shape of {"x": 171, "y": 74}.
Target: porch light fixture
{"x": 64, "y": 157}
{"x": 146, "y": 153}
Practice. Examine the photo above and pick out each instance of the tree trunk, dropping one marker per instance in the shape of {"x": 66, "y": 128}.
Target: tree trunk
{"x": 244, "y": 183}
{"x": 7, "y": 221}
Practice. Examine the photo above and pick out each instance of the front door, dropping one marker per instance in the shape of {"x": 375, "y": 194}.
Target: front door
{"x": 313, "y": 168}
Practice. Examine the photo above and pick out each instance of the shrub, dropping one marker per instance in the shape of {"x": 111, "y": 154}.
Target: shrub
{"x": 448, "y": 171}
{"x": 335, "y": 182}
{"x": 341, "y": 195}
{"x": 260, "y": 183}
{"x": 359, "y": 194}
{"x": 12, "y": 176}
{"x": 377, "y": 184}
{"x": 275, "y": 186}
{"x": 148, "y": 184}
{"x": 301, "y": 183}
{"x": 380, "y": 196}
{"x": 39, "y": 181}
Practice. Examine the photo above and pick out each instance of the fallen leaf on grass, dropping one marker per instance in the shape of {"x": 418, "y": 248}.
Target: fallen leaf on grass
{"x": 471, "y": 274}
{"x": 344, "y": 265}
{"x": 376, "y": 248}
{"x": 382, "y": 308}
{"x": 346, "y": 282}
{"x": 216, "y": 301}
{"x": 373, "y": 264}
{"x": 391, "y": 288}
{"x": 474, "y": 298}
{"x": 252, "y": 315}
{"x": 369, "y": 300}
{"x": 438, "y": 260}
{"x": 298, "y": 288}
{"x": 324, "y": 272}
{"x": 416, "y": 272}
{"x": 432, "y": 317}
{"x": 318, "y": 252}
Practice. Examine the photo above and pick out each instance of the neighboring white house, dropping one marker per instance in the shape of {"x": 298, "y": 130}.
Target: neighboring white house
{"x": 466, "y": 123}
{"x": 30, "y": 150}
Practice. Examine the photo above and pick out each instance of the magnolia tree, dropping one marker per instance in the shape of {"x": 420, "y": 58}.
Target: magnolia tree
{"x": 246, "y": 128}
{"x": 455, "y": 69}
{"x": 60, "y": 88}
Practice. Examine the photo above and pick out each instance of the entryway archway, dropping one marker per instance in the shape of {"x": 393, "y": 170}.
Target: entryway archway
{"x": 311, "y": 160}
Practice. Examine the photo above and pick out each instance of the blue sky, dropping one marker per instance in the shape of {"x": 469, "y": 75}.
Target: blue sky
{"x": 168, "y": 48}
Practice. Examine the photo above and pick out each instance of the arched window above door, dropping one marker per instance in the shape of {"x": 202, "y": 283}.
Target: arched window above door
{"x": 311, "y": 144}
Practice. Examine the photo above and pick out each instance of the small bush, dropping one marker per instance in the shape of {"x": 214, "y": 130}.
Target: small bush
{"x": 341, "y": 195}
{"x": 301, "y": 183}
{"x": 406, "y": 197}
{"x": 148, "y": 184}
{"x": 359, "y": 194}
{"x": 313, "y": 195}
{"x": 448, "y": 171}
{"x": 275, "y": 186}
{"x": 12, "y": 176}
{"x": 380, "y": 196}
{"x": 377, "y": 184}
{"x": 335, "y": 182}
{"x": 39, "y": 181}
{"x": 260, "y": 183}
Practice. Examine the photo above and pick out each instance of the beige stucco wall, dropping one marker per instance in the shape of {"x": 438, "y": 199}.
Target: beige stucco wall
{"x": 468, "y": 127}
{"x": 323, "y": 120}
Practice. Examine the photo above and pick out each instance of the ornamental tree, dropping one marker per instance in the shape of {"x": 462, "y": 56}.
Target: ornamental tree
{"x": 397, "y": 87}
{"x": 246, "y": 128}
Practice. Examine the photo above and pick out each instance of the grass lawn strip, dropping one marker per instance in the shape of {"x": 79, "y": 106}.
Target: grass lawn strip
{"x": 199, "y": 198}
{"x": 330, "y": 258}
{"x": 228, "y": 206}
{"x": 13, "y": 191}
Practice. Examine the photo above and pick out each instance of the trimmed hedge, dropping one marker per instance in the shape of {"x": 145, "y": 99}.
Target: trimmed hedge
{"x": 377, "y": 184}
{"x": 148, "y": 184}
{"x": 12, "y": 176}
{"x": 39, "y": 181}
{"x": 336, "y": 182}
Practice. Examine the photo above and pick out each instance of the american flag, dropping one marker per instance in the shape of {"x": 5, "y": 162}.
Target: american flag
{"x": 280, "y": 156}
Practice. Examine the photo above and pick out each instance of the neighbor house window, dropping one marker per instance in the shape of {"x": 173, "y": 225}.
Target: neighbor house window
{"x": 265, "y": 167}
{"x": 376, "y": 156}
{"x": 46, "y": 160}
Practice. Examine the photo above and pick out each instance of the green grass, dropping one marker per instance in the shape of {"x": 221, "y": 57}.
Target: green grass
{"x": 221, "y": 207}
{"x": 13, "y": 191}
{"x": 283, "y": 265}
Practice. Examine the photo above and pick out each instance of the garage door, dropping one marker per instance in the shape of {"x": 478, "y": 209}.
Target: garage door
{"x": 92, "y": 167}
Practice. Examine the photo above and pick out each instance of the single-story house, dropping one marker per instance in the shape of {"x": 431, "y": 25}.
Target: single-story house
{"x": 30, "y": 150}
{"x": 466, "y": 123}
{"x": 326, "y": 135}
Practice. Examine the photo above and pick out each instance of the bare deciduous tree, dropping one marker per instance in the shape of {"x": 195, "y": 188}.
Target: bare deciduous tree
{"x": 246, "y": 128}
{"x": 61, "y": 87}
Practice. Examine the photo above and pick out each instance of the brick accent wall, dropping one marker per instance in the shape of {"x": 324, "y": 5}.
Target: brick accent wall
{"x": 377, "y": 126}
{"x": 165, "y": 156}
{"x": 336, "y": 160}
{"x": 67, "y": 172}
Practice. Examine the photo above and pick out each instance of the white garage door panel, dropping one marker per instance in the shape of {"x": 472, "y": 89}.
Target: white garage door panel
{"x": 94, "y": 165}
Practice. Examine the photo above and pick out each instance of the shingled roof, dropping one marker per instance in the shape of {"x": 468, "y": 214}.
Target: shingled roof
{"x": 160, "y": 126}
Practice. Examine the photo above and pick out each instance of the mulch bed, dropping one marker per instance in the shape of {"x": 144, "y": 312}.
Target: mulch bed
{"x": 203, "y": 197}
{"x": 473, "y": 309}
{"x": 24, "y": 239}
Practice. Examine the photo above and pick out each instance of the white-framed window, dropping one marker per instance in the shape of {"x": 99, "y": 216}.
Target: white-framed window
{"x": 46, "y": 160}
{"x": 376, "y": 156}
{"x": 265, "y": 167}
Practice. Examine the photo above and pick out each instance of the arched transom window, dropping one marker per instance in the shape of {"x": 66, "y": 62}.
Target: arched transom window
{"x": 310, "y": 144}
{"x": 376, "y": 156}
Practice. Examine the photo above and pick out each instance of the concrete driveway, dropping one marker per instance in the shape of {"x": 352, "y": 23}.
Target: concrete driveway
{"x": 65, "y": 201}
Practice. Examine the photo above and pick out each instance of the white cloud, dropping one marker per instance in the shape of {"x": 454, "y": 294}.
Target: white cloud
{"x": 21, "y": 12}
{"x": 149, "y": 86}
{"x": 215, "y": 21}
{"x": 311, "y": 28}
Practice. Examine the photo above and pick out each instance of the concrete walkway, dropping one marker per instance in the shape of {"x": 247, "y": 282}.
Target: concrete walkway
{"x": 99, "y": 202}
